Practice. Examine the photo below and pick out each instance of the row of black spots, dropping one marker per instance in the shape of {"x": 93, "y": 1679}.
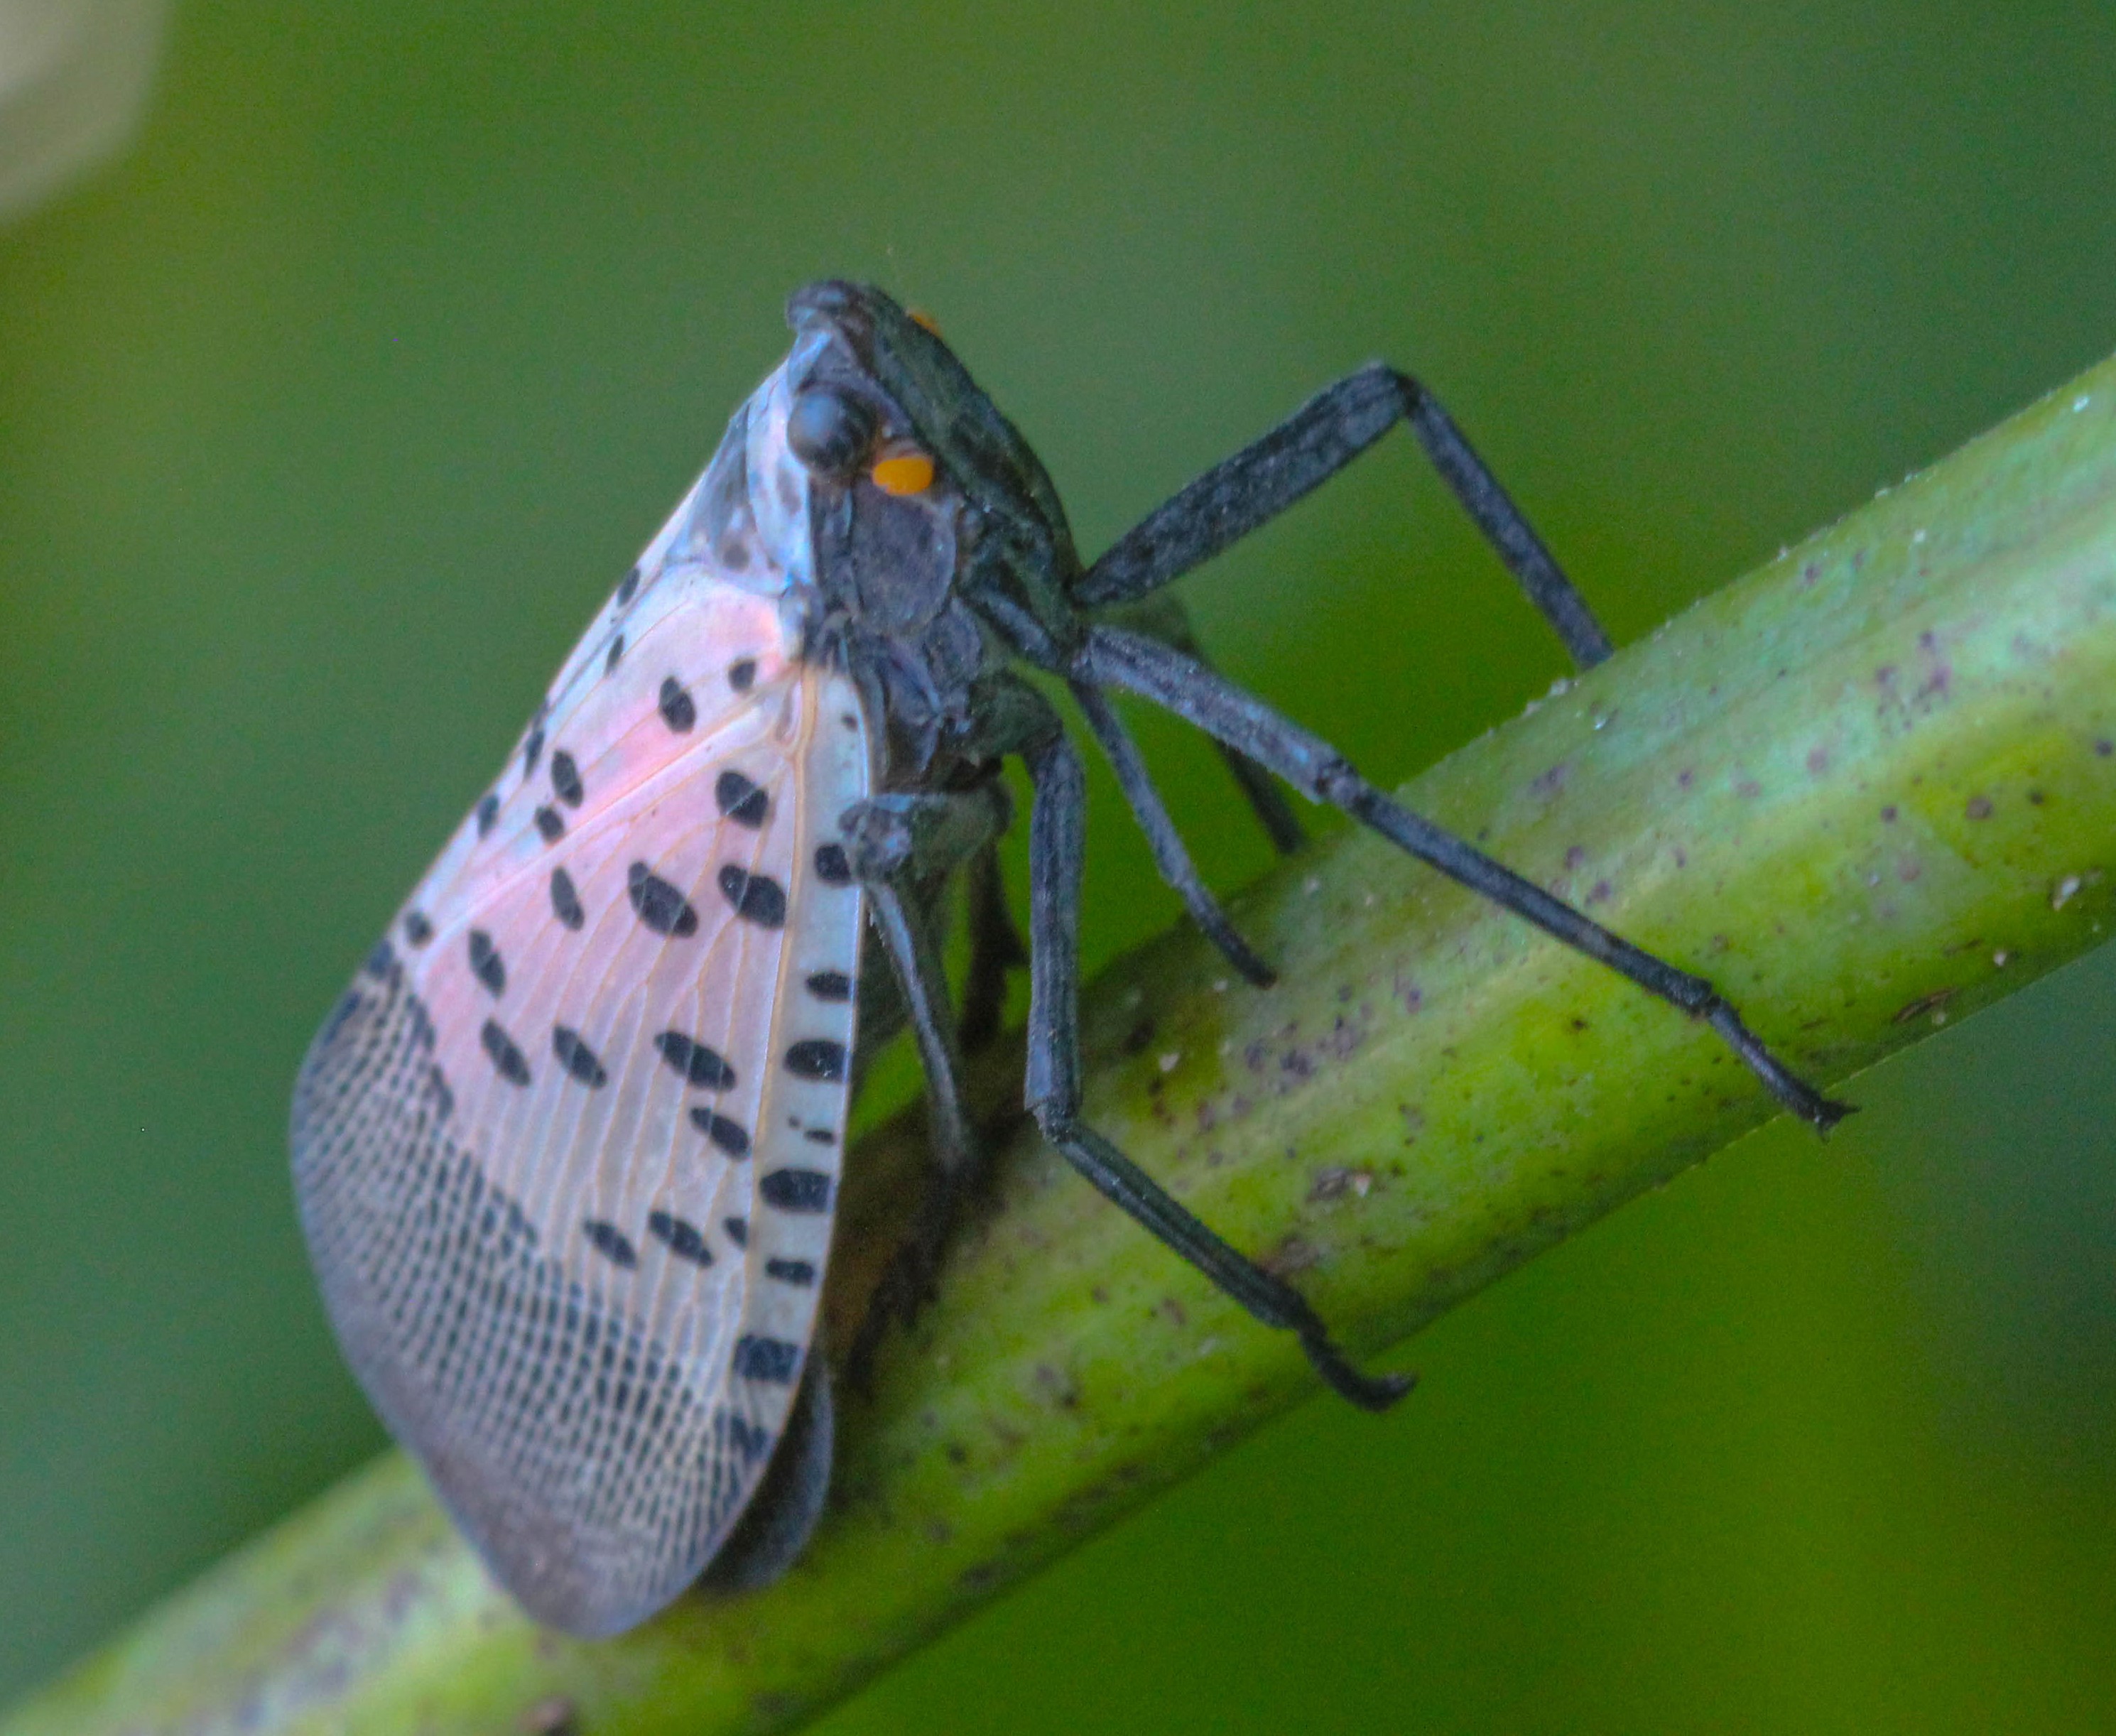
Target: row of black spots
{"x": 626, "y": 586}
{"x": 565, "y": 901}
{"x": 578, "y": 1058}
{"x": 485, "y": 964}
{"x": 774, "y": 1360}
{"x": 550, "y": 824}
{"x": 616, "y": 650}
{"x": 685, "y": 1240}
{"x": 802, "y": 1191}
{"x": 741, "y": 673}
{"x": 417, "y": 930}
{"x": 829, "y": 985}
{"x": 487, "y": 811}
{"x": 740, "y": 800}
{"x": 817, "y": 1058}
{"x": 507, "y": 1059}
{"x": 832, "y": 868}
{"x": 798, "y": 1272}
{"x": 659, "y": 905}
{"x": 566, "y": 779}
{"x": 532, "y": 750}
{"x": 731, "y": 1137}
{"x": 698, "y": 1065}
{"x": 755, "y": 898}
{"x": 738, "y": 1231}
{"x": 678, "y": 709}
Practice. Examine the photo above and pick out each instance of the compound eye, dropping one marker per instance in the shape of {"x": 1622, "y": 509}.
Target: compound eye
{"x": 828, "y": 431}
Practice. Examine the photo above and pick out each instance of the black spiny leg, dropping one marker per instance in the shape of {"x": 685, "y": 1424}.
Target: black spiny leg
{"x": 1141, "y": 665}
{"x": 898, "y": 845}
{"x": 995, "y": 948}
{"x": 1300, "y": 455}
{"x": 1169, "y": 854}
{"x": 1056, "y": 838}
{"x": 1162, "y": 616}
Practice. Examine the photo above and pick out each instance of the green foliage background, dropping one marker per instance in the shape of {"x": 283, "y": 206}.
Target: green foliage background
{"x": 326, "y": 418}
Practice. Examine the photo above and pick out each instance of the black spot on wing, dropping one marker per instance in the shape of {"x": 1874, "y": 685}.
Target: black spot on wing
{"x": 819, "y": 1136}
{"x": 790, "y": 1271}
{"x": 382, "y": 960}
{"x": 831, "y": 867}
{"x": 760, "y": 1358}
{"x": 659, "y": 905}
{"x": 608, "y": 1240}
{"x": 740, "y": 800}
{"x": 732, "y": 1137}
{"x": 741, "y": 673}
{"x": 699, "y": 1065}
{"x": 566, "y": 779}
{"x": 616, "y": 650}
{"x": 677, "y": 710}
{"x": 577, "y": 1057}
{"x": 756, "y": 898}
{"x": 829, "y": 985}
{"x": 626, "y": 586}
{"x": 746, "y": 1439}
{"x": 417, "y": 930}
{"x": 550, "y": 824}
{"x": 565, "y": 901}
{"x": 796, "y": 1189}
{"x": 738, "y": 1231}
{"x": 816, "y": 1058}
{"x": 506, "y": 1058}
{"x": 686, "y": 1241}
{"x": 438, "y": 1095}
{"x": 484, "y": 961}
{"x": 531, "y": 751}
{"x": 487, "y": 811}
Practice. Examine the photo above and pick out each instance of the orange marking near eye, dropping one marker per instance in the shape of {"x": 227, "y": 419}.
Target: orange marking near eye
{"x": 919, "y": 317}
{"x": 904, "y": 473}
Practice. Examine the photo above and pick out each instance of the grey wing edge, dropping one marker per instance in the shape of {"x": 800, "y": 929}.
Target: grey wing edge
{"x": 595, "y": 1474}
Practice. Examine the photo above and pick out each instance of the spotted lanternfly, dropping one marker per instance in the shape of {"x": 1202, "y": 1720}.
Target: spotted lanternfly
{"x": 568, "y": 1151}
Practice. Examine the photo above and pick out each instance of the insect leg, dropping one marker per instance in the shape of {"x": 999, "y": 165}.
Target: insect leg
{"x": 1162, "y": 616}
{"x": 902, "y": 850}
{"x": 1169, "y": 855}
{"x": 1057, "y": 836}
{"x": 1304, "y": 452}
{"x": 995, "y": 948}
{"x": 1312, "y": 765}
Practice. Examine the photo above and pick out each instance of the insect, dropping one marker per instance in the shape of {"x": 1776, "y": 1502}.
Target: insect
{"x": 567, "y": 1151}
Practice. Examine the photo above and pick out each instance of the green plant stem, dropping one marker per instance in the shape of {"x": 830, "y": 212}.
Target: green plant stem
{"x": 1868, "y": 788}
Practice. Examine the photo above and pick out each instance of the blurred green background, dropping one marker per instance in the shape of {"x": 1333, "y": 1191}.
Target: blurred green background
{"x": 329, "y": 415}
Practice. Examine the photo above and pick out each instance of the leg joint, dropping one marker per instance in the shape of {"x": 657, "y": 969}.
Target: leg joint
{"x": 1338, "y": 783}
